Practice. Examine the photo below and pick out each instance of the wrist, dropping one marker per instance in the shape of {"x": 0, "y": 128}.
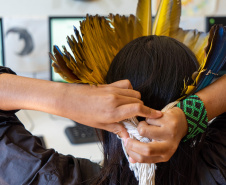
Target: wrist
{"x": 57, "y": 101}
{"x": 183, "y": 121}
{"x": 68, "y": 101}
{"x": 195, "y": 114}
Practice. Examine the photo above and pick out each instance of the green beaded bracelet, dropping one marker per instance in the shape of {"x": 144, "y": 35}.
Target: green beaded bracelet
{"x": 196, "y": 116}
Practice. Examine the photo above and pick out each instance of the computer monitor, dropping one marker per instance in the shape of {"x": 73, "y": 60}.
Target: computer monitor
{"x": 1, "y": 44}
{"x": 210, "y": 21}
{"x": 60, "y": 28}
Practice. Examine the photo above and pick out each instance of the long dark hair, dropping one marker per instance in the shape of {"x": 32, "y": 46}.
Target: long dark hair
{"x": 157, "y": 67}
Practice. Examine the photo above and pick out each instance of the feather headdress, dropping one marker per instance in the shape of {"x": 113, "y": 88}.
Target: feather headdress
{"x": 101, "y": 39}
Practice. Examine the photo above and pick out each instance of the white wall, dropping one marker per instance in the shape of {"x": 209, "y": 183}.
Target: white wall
{"x": 221, "y": 8}
{"x": 65, "y": 7}
{"x": 75, "y": 7}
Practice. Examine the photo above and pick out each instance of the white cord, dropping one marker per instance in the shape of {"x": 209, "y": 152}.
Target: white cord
{"x": 144, "y": 172}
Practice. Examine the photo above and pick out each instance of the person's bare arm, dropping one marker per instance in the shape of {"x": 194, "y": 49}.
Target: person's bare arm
{"x": 168, "y": 130}
{"x": 97, "y": 106}
{"x": 214, "y": 97}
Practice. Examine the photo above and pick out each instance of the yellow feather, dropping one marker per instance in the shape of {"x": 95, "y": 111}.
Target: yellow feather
{"x": 143, "y": 14}
{"x": 196, "y": 41}
{"x": 101, "y": 39}
{"x": 167, "y": 18}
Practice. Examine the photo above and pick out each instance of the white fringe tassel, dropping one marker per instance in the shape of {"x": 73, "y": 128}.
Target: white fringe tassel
{"x": 144, "y": 172}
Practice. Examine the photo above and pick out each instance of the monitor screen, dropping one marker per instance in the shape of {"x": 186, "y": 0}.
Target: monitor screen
{"x": 60, "y": 28}
{"x": 1, "y": 45}
{"x": 210, "y": 21}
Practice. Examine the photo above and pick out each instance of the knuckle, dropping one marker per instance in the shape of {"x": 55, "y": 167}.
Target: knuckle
{"x": 111, "y": 97}
{"x": 108, "y": 115}
{"x": 127, "y": 83}
{"x": 165, "y": 158}
{"x": 110, "y": 89}
{"x": 148, "y": 151}
{"x": 138, "y": 94}
{"x": 141, "y": 159}
{"x": 174, "y": 124}
{"x": 138, "y": 107}
{"x": 174, "y": 128}
{"x": 142, "y": 131}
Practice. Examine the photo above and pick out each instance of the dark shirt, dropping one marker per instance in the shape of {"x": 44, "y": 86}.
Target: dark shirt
{"x": 212, "y": 158}
{"x": 23, "y": 160}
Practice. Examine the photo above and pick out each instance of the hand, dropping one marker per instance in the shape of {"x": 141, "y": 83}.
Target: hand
{"x": 97, "y": 106}
{"x": 103, "y": 106}
{"x": 167, "y": 133}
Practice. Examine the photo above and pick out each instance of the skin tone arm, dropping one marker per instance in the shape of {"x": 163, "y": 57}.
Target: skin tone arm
{"x": 97, "y": 106}
{"x": 172, "y": 127}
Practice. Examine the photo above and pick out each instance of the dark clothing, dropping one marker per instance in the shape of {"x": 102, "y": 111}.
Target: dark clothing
{"x": 212, "y": 158}
{"x": 24, "y": 161}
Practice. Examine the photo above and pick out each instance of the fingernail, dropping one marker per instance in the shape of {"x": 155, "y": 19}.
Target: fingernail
{"x": 125, "y": 141}
{"x": 159, "y": 113}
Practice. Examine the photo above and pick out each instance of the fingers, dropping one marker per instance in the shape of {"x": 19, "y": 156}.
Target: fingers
{"x": 123, "y": 100}
{"x": 152, "y": 152}
{"x": 123, "y": 92}
{"x": 134, "y": 158}
{"x": 117, "y": 128}
{"x": 151, "y": 131}
{"x": 126, "y": 92}
{"x": 125, "y": 84}
{"x": 136, "y": 109}
{"x": 122, "y": 87}
{"x": 167, "y": 133}
{"x": 146, "y": 149}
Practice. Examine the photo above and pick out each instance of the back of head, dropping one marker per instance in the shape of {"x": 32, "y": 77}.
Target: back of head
{"x": 157, "y": 67}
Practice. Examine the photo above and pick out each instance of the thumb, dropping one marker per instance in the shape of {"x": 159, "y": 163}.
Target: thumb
{"x": 154, "y": 114}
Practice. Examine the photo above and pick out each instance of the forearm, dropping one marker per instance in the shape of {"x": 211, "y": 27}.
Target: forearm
{"x": 18, "y": 92}
{"x": 214, "y": 97}
{"x": 96, "y": 106}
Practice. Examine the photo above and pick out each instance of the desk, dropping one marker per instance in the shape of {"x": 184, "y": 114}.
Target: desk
{"x": 52, "y": 128}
